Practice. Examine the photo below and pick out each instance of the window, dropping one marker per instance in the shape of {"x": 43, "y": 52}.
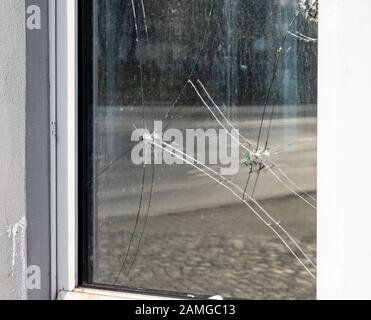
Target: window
{"x": 197, "y": 147}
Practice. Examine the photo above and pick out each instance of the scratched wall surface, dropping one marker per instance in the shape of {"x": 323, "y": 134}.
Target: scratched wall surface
{"x": 12, "y": 150}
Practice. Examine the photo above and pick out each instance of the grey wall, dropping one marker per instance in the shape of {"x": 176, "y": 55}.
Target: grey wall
{"x": 37, "y": 150}
{"x": 12, "y": 150}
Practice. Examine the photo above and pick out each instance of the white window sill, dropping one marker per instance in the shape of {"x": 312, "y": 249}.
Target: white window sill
{"x": 94, "y": 294}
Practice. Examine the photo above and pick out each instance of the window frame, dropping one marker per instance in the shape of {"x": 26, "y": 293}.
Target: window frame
{"x": 335, "y": 270}
{"x": 65, "y": 110}
{"x": 67, "y": 273}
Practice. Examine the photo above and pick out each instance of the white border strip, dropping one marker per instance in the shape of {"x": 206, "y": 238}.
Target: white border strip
{"x": 66, "y": 144}
{"x": 344, "y": 159}
{"x": 53, "y": 150}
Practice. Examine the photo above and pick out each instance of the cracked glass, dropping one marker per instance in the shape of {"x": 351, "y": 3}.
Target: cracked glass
{"x": 244, "y": 70}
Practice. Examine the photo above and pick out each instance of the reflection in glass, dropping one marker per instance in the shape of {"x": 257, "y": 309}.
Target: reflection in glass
{"x": 172, "y": 228}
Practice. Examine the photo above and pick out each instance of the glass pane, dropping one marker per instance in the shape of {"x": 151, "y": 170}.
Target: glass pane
{"x": 235, "y": 216}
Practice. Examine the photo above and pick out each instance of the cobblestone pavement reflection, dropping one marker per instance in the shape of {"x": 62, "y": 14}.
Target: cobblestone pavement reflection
{"x": 223, "y": 251}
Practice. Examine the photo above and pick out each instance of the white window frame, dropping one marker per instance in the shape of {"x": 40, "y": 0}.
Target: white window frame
{"x": 344, "y": 214}
{"x": 64, "y": 240}
{"x": 66, "y": 156}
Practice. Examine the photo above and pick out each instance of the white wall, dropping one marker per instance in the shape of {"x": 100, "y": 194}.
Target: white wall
{"x": 344, "y": 170}
{"x": 12, "y": 150}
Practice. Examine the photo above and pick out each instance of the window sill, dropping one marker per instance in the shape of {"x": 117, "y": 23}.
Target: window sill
{"x": 95, "y": 294}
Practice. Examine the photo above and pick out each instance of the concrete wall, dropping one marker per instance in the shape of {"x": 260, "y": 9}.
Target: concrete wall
{"x": 37, "y": 150}
{"x": 12, "y": 150}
